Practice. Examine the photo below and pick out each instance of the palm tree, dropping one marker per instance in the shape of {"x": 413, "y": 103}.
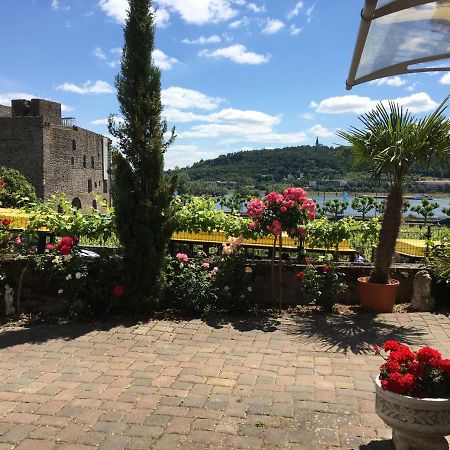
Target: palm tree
{"x": 392, "y": 144}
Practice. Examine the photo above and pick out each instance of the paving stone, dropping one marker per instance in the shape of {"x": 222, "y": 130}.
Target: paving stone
{"x": 189, "y": 385}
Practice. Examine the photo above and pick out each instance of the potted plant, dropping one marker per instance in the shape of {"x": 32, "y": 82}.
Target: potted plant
{"x": 392, "y": 144}
{"x": 412, "y": 397}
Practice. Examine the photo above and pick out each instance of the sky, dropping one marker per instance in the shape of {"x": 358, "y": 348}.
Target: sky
{"x": 236, "y": 74}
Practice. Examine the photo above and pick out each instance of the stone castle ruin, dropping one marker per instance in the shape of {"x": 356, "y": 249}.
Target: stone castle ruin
{"x": 55, "y": 155}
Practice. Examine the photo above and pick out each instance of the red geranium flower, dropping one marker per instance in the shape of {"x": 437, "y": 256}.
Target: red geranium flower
{"x": 65, "y": 241}
{"x": 118, "y": 290}
{"x": 391, "y": 345}
{"x": 65, "y": 250}
{"x": 376, "y": 348}
{"x": 2, "y": 182}
{"x": 300, "y": 276}
{"x": 49, "y": 247}
{"x": 327, "y": 268}
{"x": 6, "y": 222}
{"x": 427, "y": 354}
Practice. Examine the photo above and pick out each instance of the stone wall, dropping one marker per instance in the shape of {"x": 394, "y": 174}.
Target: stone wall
{"x": 5, "y": 111}
{"x": 21, "y": 148}
{"x": 55, "y": 159}
{"x": 74, "y": 164}
{"x": 39, "y": 288}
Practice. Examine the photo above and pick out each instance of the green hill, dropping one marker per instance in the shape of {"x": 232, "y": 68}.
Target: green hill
{"x": 262, "y": 170}
{"x": 274, "y": 165}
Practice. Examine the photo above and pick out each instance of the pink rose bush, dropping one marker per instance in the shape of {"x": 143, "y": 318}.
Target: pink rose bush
{"x": 289, "y": 211}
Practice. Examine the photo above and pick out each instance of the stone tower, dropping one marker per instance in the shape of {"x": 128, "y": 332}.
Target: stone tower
{"x": 54, "y": 155}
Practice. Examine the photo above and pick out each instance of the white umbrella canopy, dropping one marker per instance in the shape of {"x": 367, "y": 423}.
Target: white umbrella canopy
{"x": 399, "y": 37}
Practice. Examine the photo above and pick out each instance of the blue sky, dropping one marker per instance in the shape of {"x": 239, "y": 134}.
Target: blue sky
{"x": 236, "y": 74}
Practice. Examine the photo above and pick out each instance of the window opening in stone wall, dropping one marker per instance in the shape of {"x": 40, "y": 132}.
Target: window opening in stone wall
{"x": 84, "y": 161}
{"x": 76, "y": 203}
{"x": 105, "y": 186}
{"x": 74, "y": 144}
{"x": 92, "y": 162}
{"x": 94, "y": 204}
{"x": 89, "y": 185}
{"x": 72, "y": 160}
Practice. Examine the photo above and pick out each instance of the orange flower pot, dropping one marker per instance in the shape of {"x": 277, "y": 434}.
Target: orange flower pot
{"x": 377, "y": 297}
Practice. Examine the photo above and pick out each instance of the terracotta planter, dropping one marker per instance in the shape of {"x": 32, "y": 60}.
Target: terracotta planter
{"x": 417, "y": 423}
{"x": 377, "y": 297}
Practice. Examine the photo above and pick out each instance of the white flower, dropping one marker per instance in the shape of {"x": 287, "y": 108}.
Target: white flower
{"x": 249, "y": 289}
{"x": 57, "y": 260}
{"x": 248, "y": 270}
{"x": 69, "y": 277}
{"x": 242, "y": 296}
{"x": 60, "y": 291}
{"x": 67, "y": 257}
{"x": 78, "y": 275}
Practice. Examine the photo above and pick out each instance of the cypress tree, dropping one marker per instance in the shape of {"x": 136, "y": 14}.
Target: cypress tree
{"x": 141, "y": 196}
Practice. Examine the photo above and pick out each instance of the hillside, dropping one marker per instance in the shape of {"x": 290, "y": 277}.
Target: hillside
{"x": 322, "y": 167}
{"x": 275, "y": 165}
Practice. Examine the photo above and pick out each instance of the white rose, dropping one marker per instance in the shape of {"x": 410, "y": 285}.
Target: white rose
{"x": 249, "y": 289}
{"x": 78, "y": 275}
{"x": 69, "y": 277}
{"x": 60, "y": 291}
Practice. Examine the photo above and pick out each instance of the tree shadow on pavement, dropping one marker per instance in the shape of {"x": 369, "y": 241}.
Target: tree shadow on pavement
{"x": 378, "y": 445}
{"x": 41, "y": 333}
{"x": 355, "y": 333}
{"x": 266, "y": 322}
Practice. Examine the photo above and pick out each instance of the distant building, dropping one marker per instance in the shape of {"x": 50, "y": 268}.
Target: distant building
{"x": 55, "y": 155}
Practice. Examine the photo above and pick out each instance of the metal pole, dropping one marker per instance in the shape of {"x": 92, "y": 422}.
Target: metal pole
{"x": 367, "y": 15}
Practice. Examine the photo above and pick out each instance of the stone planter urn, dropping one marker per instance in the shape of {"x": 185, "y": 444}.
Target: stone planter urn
{"x": 417, "y": 423}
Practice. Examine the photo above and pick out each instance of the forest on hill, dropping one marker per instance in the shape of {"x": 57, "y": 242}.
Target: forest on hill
{"x": 325, "y": 168}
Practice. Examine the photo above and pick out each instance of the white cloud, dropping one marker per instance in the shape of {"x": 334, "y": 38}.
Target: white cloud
{"x": 180, "y": 98}
{"x": 105, "y": 121}
{"x": 309, "y": 11}
{"x": 445, "y": 79}
{"x": 98, "y": 87}
{"x": 294, "y": 30}
{"x": 307, "y": 116}
{"x": 55, "y": 4}
{"x": 390, "y": 81}
{"x": 321, "y": 131}
{"x": 256, "y": 8}
{"x": 296, "y": 10}
{"x": 5, "y": 99}
{"x": 117, "y": 10}
{"x": 184, "y": 155}
{"x": 203, "y": 40}
{"x": 200, "y": 12}
{"x": 237, "y": 53}
{"x": 98, "y": 53}
{"x": 416, "y": 103}
{"x": 273, "y": 26}
{"x": 228, "y": 115}
{"x": 163, "y": 61}
{"x": 243, "y": 22}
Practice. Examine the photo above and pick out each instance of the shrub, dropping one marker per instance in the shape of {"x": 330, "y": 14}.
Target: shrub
{"x": 15, "y": 190}
{"x": 189, "y": 286}
{"x": 324, "y": 284}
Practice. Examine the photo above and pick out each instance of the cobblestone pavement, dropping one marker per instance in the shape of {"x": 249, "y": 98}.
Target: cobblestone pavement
{"x": 294, "y": 382}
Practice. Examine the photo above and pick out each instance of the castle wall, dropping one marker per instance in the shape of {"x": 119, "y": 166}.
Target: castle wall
{"x": 21, "y": 148}
{"x": 74, "y": 165}
{"x": 5, "y": 111}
